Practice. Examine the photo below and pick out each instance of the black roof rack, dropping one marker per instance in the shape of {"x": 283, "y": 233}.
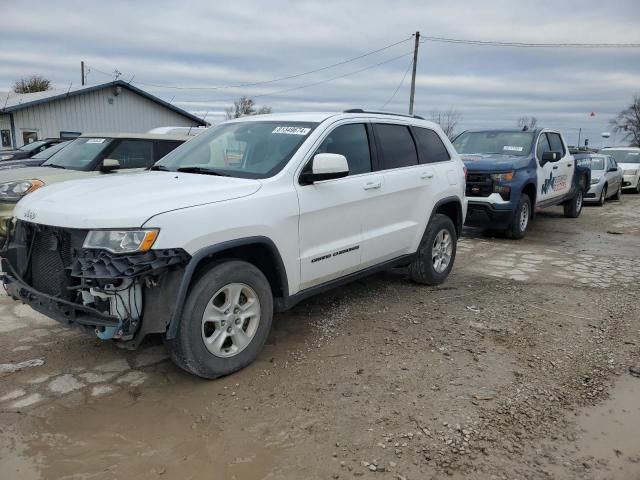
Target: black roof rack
{"x": 360, "y": 110}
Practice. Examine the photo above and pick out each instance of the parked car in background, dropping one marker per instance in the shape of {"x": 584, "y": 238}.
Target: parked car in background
{"x": 629, "y": 159}
{"x": 189, "y": 131}
{"x": 511, "y": 173}
{"x": 30, "y": 149}
{"x": 203, "y": 248}
{"x": 606, "y": 177}
{"x": 37, "y": 160}
{"x": 86, "y": 156}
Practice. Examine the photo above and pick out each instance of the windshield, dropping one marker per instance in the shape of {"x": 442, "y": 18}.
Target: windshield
{"x": 494, "y": 142}
{"x": 624, "y": 156}
{"x": 79, "y": 154}
{"x": 254, "y": 149}
{"x": 43, "y": 155}
{"x": 29, "y": 147}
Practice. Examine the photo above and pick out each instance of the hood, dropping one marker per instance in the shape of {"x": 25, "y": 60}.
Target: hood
{"x": 127, "y": 200}
{"x": 484, "y": 162}
{"x": 20, "y": 163}
{"x": 14, "y": 153}
{"x": 629, "y": 166}
{"x": 46, "y": 174}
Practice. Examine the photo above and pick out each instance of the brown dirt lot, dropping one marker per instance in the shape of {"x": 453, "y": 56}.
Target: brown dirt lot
{"x": 516, "y": 368}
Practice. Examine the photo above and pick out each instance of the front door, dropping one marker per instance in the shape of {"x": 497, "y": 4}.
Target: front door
{"x": 553, "y": 178}
{"x": 331, "y": 212}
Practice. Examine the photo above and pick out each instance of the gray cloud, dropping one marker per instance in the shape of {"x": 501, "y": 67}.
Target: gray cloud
{"x": 219, "y": 43}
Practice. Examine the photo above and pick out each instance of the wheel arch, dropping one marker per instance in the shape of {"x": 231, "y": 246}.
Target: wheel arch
{"x": 452, "y": 208}
{"x": 259, "y": 251}
{"x": 531, "y": 191}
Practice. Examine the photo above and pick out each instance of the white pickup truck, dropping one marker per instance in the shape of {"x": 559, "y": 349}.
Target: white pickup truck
{"x": 249, "y": 217}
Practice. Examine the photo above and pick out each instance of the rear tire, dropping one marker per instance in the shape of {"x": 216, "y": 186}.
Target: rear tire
{"x": 225, "y": 322}
{"x": 436, "y": 253}
{"x": 521, "y": 218}
{"x": 573, "y": 207}
{"x": 603, "y": 196}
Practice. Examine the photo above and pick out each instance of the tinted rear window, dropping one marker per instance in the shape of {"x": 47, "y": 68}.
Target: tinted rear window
{"x": 396, "y": 145}
{"x": 430, "y": 145}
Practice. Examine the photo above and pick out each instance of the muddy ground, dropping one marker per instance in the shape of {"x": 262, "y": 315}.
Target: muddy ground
{"x": 516, "y": 368}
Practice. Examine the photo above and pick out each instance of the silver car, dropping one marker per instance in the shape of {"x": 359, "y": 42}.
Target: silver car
{"x": 606, "y": 179}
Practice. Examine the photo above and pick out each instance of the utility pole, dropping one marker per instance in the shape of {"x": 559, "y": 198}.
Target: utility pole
{"x": 413, "y": 76}
{"x": 82, "y": 75}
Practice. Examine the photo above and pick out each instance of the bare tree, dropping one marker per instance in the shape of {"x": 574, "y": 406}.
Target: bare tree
{"x": 244, "y": 106}
{"x": 447, "y": 119}
{"x": 529, "y": 122}
{"x": 628, "y": 122}
{"x": 34, "y": 83}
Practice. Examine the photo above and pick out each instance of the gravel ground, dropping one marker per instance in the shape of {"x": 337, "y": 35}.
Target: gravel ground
{"x": 516, "y": 368}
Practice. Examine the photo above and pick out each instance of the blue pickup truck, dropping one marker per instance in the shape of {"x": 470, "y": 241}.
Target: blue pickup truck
{"x": 511, "y": 173}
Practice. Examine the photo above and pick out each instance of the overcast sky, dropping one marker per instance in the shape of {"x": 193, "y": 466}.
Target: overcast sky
{"x": 214, "y": 43}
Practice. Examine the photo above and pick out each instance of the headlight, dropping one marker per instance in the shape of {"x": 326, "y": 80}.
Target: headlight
{"x": 503, "y": 177}
{"x": 14, "y": 191}
{"x": 594, "y": 180}
{"x": 6, "y": 157}
{"x": 121, "y": 241}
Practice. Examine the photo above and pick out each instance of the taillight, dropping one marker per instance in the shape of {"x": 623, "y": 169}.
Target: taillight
{"x": 465, "y": 171}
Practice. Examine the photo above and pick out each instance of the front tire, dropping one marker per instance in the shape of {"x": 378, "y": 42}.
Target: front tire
{"x": 521, "y": 217}
{"x": 225, "y": 322}
{"x": 436, "y": 253}
{"x": 603, "y": 196}
{"x": 573, "y": 207}
{"x": 618, "y": 194}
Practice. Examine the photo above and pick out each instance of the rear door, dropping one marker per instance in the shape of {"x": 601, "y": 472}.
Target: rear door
{"x": 331, "y": 212}
{"x": 392, "y": 224}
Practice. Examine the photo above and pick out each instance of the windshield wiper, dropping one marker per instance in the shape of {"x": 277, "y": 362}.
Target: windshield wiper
{"x": 202, "y": 170}
{"x": 53, "y": 165}
{"x": 160, "y": 167}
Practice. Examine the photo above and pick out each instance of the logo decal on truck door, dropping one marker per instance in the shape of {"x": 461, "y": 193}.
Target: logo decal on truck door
{"x": 554, "y": 183}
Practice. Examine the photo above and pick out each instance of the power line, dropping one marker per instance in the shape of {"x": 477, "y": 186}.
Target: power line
{"x": 330, "y": 79}
{"x": 399, "y": 85}
{"x": 528, "y": 45}
{"x": 265, "y": 82}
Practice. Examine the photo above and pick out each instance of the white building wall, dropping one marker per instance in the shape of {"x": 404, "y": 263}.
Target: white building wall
{"x": 99, "y": 111}
{"x": 5, "y": 124}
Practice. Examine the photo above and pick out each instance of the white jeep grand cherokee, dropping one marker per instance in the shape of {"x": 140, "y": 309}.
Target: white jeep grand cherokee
{"x": 249, "y": 217}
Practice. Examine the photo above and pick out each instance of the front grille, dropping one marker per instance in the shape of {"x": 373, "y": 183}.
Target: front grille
{"x": 479, "y": 184}
{"x": 50, "y": 259}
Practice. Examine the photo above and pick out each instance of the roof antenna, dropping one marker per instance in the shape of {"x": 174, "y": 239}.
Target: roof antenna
{"x": 69, "y": 88}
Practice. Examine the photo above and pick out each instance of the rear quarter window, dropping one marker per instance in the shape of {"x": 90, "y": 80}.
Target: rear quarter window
{"x": 430, "y": 146}
{"x": 165, "y": 146}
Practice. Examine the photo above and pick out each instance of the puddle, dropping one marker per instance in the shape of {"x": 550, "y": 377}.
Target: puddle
{"x": 611, "y": 431}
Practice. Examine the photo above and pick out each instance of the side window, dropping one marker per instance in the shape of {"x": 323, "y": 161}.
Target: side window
{"x": 543, "y": 146}
{"x": 351, "y": 141}
{"x": 396, "y": 145}
{"x": 556, "y": 143}
{"x": 164, "y": 146}
{"x": 133, "y": 153}
{"x": 430, "y": 146}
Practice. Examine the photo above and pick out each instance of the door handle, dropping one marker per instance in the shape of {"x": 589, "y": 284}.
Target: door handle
{"x": 570, "y": 165}
{"x": 555, "y": 168}
{"x": 372, "y": 185}
{"x": 426, "y": 174}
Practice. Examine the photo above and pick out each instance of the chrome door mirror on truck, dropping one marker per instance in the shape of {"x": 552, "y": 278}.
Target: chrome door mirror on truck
{"x": 324, "y": 166}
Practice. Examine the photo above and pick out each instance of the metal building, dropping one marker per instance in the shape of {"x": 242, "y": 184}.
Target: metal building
{"x": 110, "y": 107}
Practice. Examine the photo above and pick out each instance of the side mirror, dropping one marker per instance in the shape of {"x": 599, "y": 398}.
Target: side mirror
{"x": 548, "y": 157}
{"x": 613, "y": 169}
{"x": 325, "y": 166}
{"x": 110, "y": 164}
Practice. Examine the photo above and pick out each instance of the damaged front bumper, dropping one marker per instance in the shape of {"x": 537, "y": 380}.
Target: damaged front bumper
{"x": 117, "y": 296}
